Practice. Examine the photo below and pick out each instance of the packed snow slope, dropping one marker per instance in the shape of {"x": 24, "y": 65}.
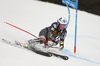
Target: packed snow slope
{"x": 33, "y": 15}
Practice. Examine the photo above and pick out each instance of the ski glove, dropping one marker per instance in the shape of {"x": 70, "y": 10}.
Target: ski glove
{"x": 61, "y": 46}
{"x": 50, "y": 43}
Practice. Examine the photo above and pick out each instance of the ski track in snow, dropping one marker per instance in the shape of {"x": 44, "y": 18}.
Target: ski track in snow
{"x": 72, "y": 55}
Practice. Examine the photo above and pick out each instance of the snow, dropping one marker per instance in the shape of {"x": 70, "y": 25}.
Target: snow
{"x": 33, "y": 15}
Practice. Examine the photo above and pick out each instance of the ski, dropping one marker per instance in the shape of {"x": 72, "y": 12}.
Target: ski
{"x": 60, "y": 56}
{"x": 12, "y": 44}
{"x": 21, "y": 46}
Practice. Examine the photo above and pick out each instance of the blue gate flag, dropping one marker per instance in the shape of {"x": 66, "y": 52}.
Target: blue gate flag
{"x": 72, "y": 3}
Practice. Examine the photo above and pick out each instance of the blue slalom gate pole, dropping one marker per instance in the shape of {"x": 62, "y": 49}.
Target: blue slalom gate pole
{"x": 75, "y": 27}
{"x": 68, "y": 16}
{"x": 75, "y": 33}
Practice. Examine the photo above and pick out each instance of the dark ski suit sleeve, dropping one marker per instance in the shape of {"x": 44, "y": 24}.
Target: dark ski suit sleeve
{"x": 53, "y": 26}
{"x": 63, "y": 35}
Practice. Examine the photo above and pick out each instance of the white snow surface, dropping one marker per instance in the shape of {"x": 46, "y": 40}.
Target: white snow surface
{"x": 33, "y": 15}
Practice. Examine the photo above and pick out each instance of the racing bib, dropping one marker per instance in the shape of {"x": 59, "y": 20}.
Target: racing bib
{"x": 56, "y": 33}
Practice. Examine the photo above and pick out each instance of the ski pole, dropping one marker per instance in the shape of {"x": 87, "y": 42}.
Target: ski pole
{"x": 29, "y": 33}
{"x": 26, "y": 32}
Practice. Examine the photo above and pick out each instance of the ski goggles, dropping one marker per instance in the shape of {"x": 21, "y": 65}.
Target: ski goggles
{"x": 62, "y": 26}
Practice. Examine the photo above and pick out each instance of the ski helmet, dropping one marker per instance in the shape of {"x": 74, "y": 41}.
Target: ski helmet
{"x": 62, "y": 20}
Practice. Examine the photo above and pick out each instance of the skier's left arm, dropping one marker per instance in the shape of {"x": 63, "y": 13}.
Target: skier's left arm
{"x": 62, "y": 38}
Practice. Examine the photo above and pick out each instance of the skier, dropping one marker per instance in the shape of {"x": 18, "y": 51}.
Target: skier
{"x": 51, "y": 33}
{"x": 48, "y": 37}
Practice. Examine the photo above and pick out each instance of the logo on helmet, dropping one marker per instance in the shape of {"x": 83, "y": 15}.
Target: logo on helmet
{"x": 62, "y": 20}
